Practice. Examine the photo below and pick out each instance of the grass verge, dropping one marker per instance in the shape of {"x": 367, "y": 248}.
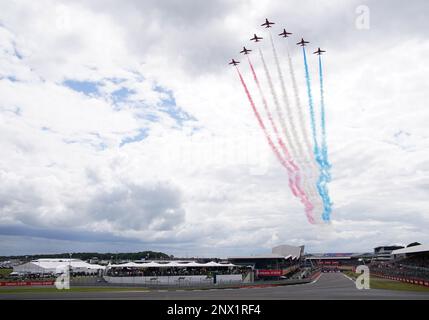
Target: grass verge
{"x": 387, "y": 284}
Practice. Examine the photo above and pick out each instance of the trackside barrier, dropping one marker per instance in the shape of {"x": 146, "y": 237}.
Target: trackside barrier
{"x": 175, "y": 280}
{"x": 408, "y": 280}
{"x": 25, "y": 283}
{"x": 225, "y": 282}
{"x": 315, "y": 275}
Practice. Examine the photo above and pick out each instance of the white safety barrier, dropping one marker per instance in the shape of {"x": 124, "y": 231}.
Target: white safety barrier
{"x": 229, "y": 278}
{"x": 175, "y": 280}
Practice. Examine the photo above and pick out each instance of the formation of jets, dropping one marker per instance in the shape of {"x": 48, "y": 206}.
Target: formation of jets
{"x": 284, "y": 34}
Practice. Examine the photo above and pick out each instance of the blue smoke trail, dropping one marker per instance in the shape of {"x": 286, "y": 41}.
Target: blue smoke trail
{"x": 320, "y": 153}
{"x": 324, "y": 145}
{"x": 310, "y": 104}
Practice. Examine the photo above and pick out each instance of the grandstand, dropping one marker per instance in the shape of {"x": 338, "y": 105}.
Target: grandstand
{"x": 385, "y": 252}
{"x": 419, "y": 252}
{"x": 174, "y": 273}
{"x": 281, "y": 263}
{"x": 335, "y": 261}
{"x": 409, "y": 263}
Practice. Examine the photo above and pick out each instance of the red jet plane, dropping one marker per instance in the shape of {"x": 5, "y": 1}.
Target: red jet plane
{"x": 245, "y": 51}
{"x": 285, "y": 34}
{"x": 256, "y": 38}
{"x": 267, "y": 24}
{"x": 234, "y": 62}
{"x": 319, "y": 52}
{"x": 302, "y": 42}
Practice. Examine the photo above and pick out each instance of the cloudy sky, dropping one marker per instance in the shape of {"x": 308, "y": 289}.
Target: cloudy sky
{"x": 122, "y": 128}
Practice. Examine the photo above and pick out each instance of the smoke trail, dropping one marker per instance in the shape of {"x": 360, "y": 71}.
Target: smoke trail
{"x": 323, "y": 178}
{"x": 305, "y": 134}
{"x": 301, "y": 117}
{"x": 310, "y": 104}
{"x": 270, "y": 117}
{"x": 279, "y": 113}
{"x": 295, "y": 142}
{"x": 298, "y": 150}
{"x": 275, "y": 99}
{"x": 308, "y": 206}
{"x": 324, "y": 145}
{"x": 284, "y": 148}
{"x": 279, "y": 139}
{"x": 276, "y": 131}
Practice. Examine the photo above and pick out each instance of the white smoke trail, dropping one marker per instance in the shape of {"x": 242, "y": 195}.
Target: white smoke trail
{"x": 301, "y": 116}
{"x": 287, "y": 134}
{"x": 307, "y": 187}
{"x": 313, "y": 174}
{"x": 286, "y": 162}
{"x": 297, "y": 148}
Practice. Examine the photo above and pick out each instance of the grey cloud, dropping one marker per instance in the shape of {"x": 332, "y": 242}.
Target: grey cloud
{"x": 135, "y": 207}
{"x": 332, "y": 23}
{"x": 149, "y": 207}
{"x": 19, "y": 199}
{"x": 59, "y": 234}
{"x": 194, "y": 33}
{"x": 178, "y": 13}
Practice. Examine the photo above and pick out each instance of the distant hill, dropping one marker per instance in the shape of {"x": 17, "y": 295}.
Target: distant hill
{"x": 101, "y": 256}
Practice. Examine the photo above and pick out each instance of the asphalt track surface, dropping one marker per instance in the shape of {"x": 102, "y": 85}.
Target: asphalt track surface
{"x": 331, "y": 286}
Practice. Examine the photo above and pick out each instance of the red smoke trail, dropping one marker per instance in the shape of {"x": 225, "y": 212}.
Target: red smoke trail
{"x": 270, "y": 117}
{"x": 297, "y": 191}
{"x": 261, "y": 124}
{"x": 307, "y": 204}
{"x": 276, "y": 131}
{"x": 282, "y": 122}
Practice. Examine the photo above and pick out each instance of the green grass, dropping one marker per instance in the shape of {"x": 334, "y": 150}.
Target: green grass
{"x": 351, "y": 274}
{"x": 5, "y": 272}
{"x": 387, "y": 284}
{"x": 55, "y": 290}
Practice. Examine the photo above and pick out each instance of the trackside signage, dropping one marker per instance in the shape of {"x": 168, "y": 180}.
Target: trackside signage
{"x": 25, "y": 283}
{"x": 273, "y": 273}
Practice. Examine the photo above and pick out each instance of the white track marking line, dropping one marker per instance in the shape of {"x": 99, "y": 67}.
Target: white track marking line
{"x": 348, "y": 277}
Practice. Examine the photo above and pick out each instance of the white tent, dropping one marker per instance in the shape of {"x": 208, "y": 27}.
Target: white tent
{"x": 171, "y": 264}
{"x": 57, "y": 266}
